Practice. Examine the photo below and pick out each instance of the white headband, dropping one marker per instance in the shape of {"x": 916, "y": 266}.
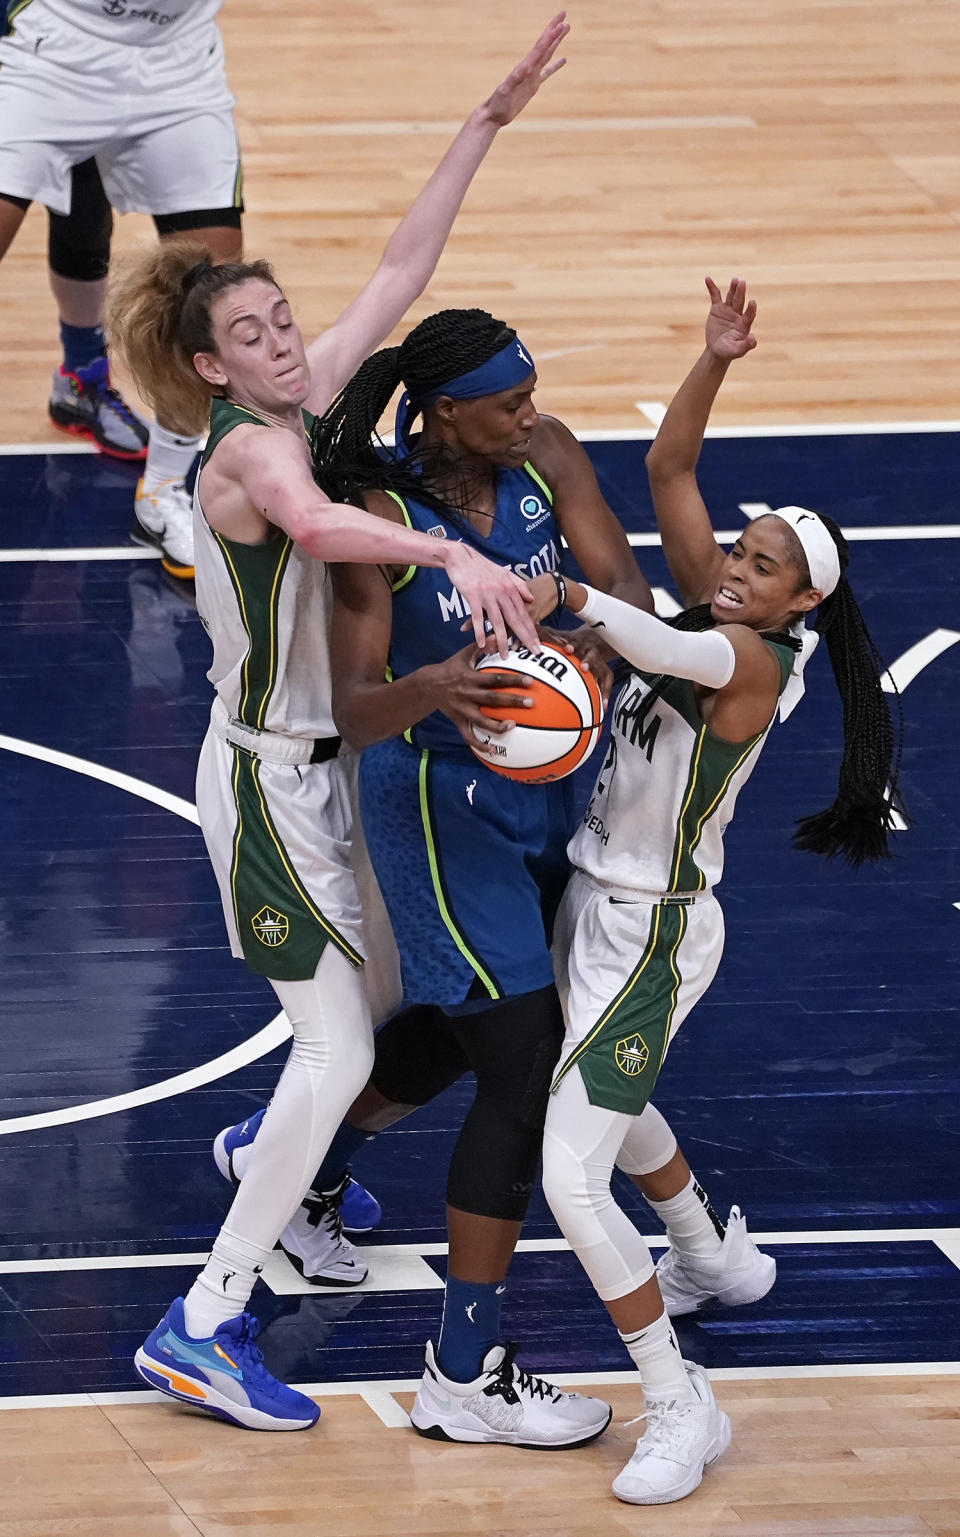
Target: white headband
{"x": 823, "y": 561}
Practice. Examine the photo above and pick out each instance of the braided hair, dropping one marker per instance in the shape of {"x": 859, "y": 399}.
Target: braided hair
{"x": 856, "y": 825}
{"x": 349, "y": 457}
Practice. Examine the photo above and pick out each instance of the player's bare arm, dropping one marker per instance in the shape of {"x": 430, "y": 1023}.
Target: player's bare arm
{"x": 366, "y": 708}
{"x": 260, "y": 478}
{"x": 691, "y": 551}
{"x": 413, "y": 251}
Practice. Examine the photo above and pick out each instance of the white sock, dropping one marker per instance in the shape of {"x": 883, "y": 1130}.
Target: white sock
{"x": 169, "y": 456}
{"x": 223, "y": 1287}
{"x": 692, "y": 1225}
{"x": 656, "y": 1355}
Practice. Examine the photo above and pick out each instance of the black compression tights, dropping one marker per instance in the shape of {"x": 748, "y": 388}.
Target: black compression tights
{"x": 512, "y": 1049}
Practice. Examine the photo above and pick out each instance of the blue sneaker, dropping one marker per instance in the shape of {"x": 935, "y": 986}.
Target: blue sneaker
{"x": 86, "y": 404}
{"x": 359, "y": 1211}
{"x": 224, "y": 1375}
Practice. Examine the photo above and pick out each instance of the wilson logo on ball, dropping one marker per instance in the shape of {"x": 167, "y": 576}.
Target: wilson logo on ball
{"x": 557, "y": 731}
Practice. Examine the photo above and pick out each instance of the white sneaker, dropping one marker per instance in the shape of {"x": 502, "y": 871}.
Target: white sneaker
{"x": 164, "y": 517}
{"x": 738, "y": 1274}
{"x": 314, "y": 1244}
{"x": 679, "y": 1442}
{"x": 504, "y": 1404}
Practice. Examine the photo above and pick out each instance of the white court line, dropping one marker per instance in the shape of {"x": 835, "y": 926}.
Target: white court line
{"x": 358, "y": 128}
{"x": 653, "y": 410}
{"x": 88, "y": 552}
{"x": 638, "y": 541}
{"x": 381, "y": 1391}
{"x": 853, "y": 535}
{"x": 272, "y": 1035}
{"x": 46, "y": 448}
{"x": 946, "y": 1238}
{"x": 916, "y": 658}
{"x": 767, "y": 430}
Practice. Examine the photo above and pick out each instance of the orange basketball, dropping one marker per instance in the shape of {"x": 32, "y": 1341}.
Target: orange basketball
{"x": 560, "y": 729}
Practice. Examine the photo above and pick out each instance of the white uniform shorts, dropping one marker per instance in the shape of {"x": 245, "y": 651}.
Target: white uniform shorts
{"x": 292, "y": 876}
{"x": 629, "y": 968}
{"x": 159, "y": 119}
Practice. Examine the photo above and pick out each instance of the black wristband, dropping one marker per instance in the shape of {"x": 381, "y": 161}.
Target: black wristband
{"x": 561, "y": 589}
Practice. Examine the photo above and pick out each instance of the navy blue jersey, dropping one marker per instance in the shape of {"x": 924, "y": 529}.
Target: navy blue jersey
{"x": 428, "y": 611}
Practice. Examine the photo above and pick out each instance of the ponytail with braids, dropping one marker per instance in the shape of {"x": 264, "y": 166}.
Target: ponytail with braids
{"x": 350, "y": 458}
{"x": 858, "y": 822}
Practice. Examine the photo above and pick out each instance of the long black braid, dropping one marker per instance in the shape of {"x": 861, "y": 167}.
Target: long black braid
{"x": 350, "y": 458}
{"x": 856, "y": 826}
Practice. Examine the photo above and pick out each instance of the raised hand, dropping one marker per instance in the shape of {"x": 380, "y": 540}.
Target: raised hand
{"x": 523, "y": 83}
{"x": 729, "y": 321}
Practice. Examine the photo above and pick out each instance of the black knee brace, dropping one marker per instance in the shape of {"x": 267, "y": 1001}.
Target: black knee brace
{"x": 416, "y": 1057}
{"x": 78, "y": 244}
{"x": 513, "y": 1049}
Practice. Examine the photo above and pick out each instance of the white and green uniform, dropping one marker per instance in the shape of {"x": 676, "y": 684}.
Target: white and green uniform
{"x": 140, "y": 87}
{"x": 274, "y": 793}
{"x": 640, "y": 934}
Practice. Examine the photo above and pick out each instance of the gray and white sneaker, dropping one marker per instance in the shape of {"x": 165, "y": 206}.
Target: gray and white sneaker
{"x": 504, "y": 1404}
{"x": 84, "y": 403}
{"x": 164, "y": 517}
{"x": 314, "y": 1242}
{"x": 738, "y": 1274}
{"x": 679, "y": 1442}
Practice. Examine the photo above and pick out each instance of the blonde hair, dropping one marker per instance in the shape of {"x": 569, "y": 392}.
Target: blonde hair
{"x": 158, "y": 317}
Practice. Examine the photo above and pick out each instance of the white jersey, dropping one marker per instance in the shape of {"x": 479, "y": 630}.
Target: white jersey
{"x": 666, "y": 791}
{"x": 267, "y": 610}
{"x": 125, "y": 21}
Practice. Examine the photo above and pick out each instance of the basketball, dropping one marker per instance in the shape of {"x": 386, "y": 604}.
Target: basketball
{"x": 559, "y": 731}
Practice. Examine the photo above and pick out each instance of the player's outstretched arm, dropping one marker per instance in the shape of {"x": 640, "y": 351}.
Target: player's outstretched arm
{"x": 271, "y": 470}
{"x": 413, "y": 250}
{"x": 691, "y": 551}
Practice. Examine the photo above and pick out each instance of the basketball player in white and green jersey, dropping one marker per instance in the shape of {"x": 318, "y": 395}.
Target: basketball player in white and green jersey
{"x": 640, "y": 933}
{"x": 273, "y": 794}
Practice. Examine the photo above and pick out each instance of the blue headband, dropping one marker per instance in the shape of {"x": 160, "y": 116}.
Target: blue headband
{"x": 506, "y": 369}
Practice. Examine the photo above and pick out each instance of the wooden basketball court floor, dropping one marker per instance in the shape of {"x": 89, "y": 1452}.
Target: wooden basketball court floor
{"x": 813, "y": 148}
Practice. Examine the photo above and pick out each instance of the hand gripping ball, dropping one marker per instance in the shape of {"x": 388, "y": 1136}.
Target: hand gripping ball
{"x": 559, "y": 731}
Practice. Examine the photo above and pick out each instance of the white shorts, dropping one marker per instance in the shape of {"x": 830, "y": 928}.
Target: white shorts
{"x": 159, "y": 120}
{"x": 628, "y": 973}
{"x": 292, "y": 877}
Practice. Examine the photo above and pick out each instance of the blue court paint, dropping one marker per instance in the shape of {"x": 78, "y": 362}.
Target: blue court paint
{"x": 816, "y": 1085}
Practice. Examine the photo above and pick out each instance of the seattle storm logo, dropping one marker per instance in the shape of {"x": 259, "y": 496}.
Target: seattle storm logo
{"x": 632, "y": 1055}
{"x": 270, "y": 926}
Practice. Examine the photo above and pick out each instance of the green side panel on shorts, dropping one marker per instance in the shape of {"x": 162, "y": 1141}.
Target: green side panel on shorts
{"x": 620, "y": 1059}
{"x": 282, "y": 931}
{"x": 436, "y": 877}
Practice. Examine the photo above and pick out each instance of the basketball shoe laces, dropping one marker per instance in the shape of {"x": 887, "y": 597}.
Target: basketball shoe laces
{"x": 509, "y": 1374}
{"x": 110, "y": 398}
{"x": 662, "y": 1426}
{"x": 323, "y": 1209}
{"x": 238, "y": 1337}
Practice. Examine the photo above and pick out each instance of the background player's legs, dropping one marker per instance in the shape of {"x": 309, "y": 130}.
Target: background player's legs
{"x": 12, "y": 211}
{"x": 83, "y": 400}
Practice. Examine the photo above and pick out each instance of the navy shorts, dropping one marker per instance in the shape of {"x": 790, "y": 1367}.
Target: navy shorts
{"x": 472, "y": 867}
